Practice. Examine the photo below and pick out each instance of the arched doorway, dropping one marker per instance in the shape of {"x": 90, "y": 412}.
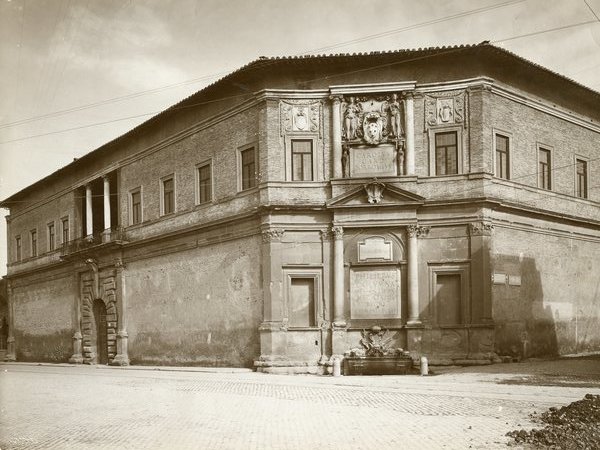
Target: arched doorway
{"x": 101, "y": 332}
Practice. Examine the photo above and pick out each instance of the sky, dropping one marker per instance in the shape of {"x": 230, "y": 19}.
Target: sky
{"x": 75, "y": 74}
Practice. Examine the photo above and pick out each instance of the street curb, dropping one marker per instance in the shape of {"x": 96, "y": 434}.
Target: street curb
{"x": 147, "y": 368}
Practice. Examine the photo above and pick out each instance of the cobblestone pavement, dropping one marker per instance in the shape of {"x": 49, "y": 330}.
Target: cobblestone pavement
{"x": 83, "y": 407}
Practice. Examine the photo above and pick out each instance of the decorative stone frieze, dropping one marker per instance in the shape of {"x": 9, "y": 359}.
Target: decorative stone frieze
{"x": 481, "y": 229}
{"x": 445, "y": 108}
{"x": 273, "y": 235}
{"x": 300, "y": 116}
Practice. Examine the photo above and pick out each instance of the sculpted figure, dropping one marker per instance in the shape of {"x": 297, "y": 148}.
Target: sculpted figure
{"x": 395, "y": 116}
{"x": 351, "y": 119}
{"x": 345, "y": 161}
{"x": 400, "y": 159}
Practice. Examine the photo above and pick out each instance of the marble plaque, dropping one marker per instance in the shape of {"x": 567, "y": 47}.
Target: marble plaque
{"x": 375, "y": 293}
{"x": 514, "y": 280}
{"x": 373, "y": 161}
{"x": 499, "y": 278}
{"x": 375, "y": 248}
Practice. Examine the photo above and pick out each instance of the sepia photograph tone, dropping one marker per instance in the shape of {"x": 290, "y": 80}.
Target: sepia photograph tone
{"x": 299, "y": 225}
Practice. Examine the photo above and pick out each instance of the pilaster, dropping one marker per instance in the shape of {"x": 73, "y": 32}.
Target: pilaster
{"x": 122, "y": 356}
{"x": 480, "y": 235}
{"x": 11, "y": 350}
{"x": 77, "y": 357}
{"x": 336, "y": 104}
{"x": 410, "y": 133}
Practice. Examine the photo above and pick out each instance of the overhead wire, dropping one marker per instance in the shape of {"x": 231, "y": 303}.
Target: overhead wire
{"x": 219, "y": 74}
{"x": 175, "y": 108}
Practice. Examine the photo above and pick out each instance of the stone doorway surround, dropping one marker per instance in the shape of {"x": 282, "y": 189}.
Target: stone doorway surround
{"x": 105, "y": 291}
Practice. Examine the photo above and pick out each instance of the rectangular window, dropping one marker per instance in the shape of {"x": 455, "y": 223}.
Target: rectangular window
{"x": 544, "y": 169}
{"x": 302, "y": 160}
{"x": 248, "y": 168}
{"x": 302, "y": 302}
{"x": 33, "y": 243}
{"x": 502, "y": 155}
{"x": 18, "y": 248}
{"x": 446, "y": 153}
{"x": 204, "y": 183}
{"x": 51, "y": 237}
{"x": 581, "y": 180}
{"x": 65, "y": 230}
{"x": 136, "y": 206}
{"x": 168, "y": 197}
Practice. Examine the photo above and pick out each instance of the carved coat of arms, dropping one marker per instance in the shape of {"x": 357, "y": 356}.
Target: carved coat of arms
{"x": 374, "y": 128}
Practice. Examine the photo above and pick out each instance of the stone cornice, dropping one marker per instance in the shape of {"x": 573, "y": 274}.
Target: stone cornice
{"x": 372, "y": 88}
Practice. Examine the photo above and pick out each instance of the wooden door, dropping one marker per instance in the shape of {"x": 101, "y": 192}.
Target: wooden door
{"x": 101, "y": 334}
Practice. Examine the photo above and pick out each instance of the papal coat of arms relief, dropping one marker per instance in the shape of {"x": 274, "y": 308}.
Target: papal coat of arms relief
{"x": 300, "y": 116}
{"x": 445, "y": 108}
{"x": 372, "y": 120}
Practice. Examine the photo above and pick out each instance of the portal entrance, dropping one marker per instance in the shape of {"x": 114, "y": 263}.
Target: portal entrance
{"x": 101, "y": 331}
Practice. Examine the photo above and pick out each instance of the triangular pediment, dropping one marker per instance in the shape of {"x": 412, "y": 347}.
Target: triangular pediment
{"x": 375, "y": 193}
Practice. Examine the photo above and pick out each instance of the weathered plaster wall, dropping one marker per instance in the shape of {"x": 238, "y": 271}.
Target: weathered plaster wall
{"x": 558, "y": 299}
{"x": 43, "y": 318}
{"x": 198, "y": 307}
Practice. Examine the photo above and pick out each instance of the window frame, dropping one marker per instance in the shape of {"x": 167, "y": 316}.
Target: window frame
{"x": 585, "y": 160}
{"x": 432, "y": 132}
{"x": 540, "y": 147}
{"x": 132, "y": 192}
{"x": 51, "y": 237}
{"x": 289, "y": 139}
{"x": 18, "y": 248}
{"x": 316, "y": 274}
{"x": 497, "y": 132}
{"x": 33, "y": 249}
{"x": 198, "y": 167}
{"x": 240, "y": 176}
{"x": 62, "y": 229}
{"x": 162, "y": 194}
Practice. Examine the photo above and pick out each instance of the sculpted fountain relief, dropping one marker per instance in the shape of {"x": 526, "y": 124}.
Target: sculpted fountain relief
{"x": 373, "y": 136}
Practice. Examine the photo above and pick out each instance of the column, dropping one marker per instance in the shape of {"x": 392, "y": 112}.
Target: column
{"x": 106, "y": 202}
{"x": 89, "y": 224}
{"x": 337, "y": 136}
{"x": 413, "y": 232}
{"x": 11, "y": 351}
{"x": 338, "y": 277}
{"x": 77, "y": 357}
{"x": 410, "y": 134}
{"x": 122, "y": 356}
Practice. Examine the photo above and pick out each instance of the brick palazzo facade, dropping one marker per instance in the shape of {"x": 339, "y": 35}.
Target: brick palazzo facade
{"x": 449, "y": 195}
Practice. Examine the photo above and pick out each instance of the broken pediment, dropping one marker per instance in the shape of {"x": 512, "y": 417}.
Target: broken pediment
{"x": 376, "y": 193}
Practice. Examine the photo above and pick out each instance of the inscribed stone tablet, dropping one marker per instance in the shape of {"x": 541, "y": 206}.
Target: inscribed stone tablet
{"x": 373, "y": 161}
{"x": 375, "y": 293}
{"x": 375, "y": 248}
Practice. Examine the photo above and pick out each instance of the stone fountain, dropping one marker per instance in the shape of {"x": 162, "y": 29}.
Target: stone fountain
{"x": 377, "y": 357}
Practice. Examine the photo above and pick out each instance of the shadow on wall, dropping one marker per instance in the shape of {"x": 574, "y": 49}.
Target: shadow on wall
{"x": 526, "y": 324}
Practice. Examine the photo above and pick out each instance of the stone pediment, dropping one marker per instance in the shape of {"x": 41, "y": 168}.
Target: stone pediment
{"x": 375, "y": 193}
